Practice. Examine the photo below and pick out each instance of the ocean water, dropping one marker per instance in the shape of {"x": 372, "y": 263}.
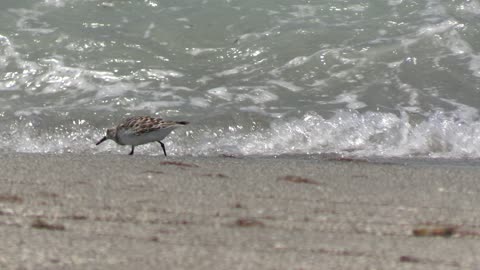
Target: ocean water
{"x": 362, "y": 78}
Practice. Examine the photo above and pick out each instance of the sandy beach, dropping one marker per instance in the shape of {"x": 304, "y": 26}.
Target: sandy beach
{"x": 150, "y": 212}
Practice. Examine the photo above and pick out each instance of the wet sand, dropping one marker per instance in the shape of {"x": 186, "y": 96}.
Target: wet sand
{"x": 141, "y": 212}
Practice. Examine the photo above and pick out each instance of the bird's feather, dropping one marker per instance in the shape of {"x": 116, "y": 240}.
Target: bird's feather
{"x": 139, "y": 125}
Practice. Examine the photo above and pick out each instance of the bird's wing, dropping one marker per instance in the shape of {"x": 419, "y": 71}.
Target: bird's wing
{"x": 143, "y": 124}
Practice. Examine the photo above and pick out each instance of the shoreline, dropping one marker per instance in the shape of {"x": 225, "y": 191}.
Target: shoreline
{"x": 67, "y": 211}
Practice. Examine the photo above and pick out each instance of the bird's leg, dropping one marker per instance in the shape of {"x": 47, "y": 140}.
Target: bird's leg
{"x": 163, "y": 147}
{"x": 131, "y": 152}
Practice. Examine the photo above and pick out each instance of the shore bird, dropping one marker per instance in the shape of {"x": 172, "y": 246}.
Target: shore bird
{"x": 140, "y": 130}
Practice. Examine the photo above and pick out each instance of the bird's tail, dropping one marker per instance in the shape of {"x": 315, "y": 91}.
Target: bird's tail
{"x": 182, "y": 122}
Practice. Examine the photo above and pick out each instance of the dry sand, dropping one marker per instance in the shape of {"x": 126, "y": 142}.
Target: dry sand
{"x": 139, "y": 212}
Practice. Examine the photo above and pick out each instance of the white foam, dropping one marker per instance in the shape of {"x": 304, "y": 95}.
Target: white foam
{"x": 199, "y": 51}
{"x": 303, "y": 11}
{"x": 220, "y": 92}
{"x": 438, "y": 28}
{"x": 199, "y": 102}
{"x": 204, "y": 79}
{"x": 117, "y": 89}
{"x": 287, "y": 85}
{"x": 255, "y": 35}
{"x": 183, "y": 19}
{"x": 155, "y": 106}
{"x": 347, "y": 132}
{"x": 351, "y": 100}
{"x": 151, "y": 3}
{"x": 297, "y": 61}
{"x": 472, "y": 7}
{"x": 150, "y": 27}
{"x": 257, "y": 96}
{"x": 55, "y": 3}
{"x": 358, "y": 7}
{"x": 158, "y": 74}
{"x": 29, "y": 17}
{"x": 395, "y": 2}
{"x": 232, "y": 71}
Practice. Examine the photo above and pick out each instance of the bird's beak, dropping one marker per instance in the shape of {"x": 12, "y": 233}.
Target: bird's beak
{"x": 102, "y": 140}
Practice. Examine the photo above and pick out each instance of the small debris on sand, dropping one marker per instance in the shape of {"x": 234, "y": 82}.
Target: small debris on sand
{"x": 41, "y": 224}
{"x": 298, "y": 179}
{"x": 177, "y": 163}
{"x": 445, "y": 231}
{"x": 248, "y": 222}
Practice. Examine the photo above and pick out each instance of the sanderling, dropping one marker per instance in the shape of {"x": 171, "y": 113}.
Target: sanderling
{"x": 141, "y": 130}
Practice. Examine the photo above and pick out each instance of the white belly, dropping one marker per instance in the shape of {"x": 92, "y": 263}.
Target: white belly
{"x": 127, "y": 138}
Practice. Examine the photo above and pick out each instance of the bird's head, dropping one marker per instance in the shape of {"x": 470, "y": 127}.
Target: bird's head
{"x": 110, "y": 135}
